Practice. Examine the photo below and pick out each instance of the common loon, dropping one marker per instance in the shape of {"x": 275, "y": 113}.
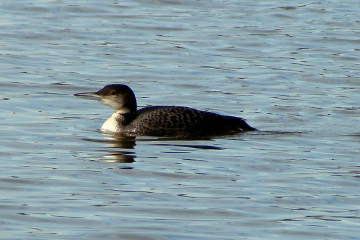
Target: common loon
{"x": 161, "y": 121}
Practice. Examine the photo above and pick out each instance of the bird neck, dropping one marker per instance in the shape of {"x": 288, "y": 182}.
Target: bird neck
{"x": 129, "y": 104}
{"x": 124, "y": 117}
{"x": 117, "y": 122}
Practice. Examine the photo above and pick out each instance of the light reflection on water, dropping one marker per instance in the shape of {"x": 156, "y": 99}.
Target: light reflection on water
{"x": 291, "y": 70}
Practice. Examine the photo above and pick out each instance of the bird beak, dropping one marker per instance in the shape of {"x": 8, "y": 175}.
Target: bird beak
{"x": 89, "y": 95}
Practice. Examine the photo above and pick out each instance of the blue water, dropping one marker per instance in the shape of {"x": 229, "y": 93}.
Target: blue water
{"x": 291, "y": 69}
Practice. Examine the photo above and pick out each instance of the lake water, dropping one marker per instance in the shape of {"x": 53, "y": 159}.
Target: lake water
{"x": 291, "y": 69}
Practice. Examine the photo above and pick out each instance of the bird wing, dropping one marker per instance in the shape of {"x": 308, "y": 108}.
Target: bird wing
{"x": 167, "y": 120}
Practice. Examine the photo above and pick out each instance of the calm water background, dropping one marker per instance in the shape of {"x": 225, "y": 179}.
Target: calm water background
{"x": 290, "y": 68}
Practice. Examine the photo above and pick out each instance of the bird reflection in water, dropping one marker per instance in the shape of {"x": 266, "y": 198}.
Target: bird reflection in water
{"x": 126, "y": 145}
{"x": 114, "y": 142}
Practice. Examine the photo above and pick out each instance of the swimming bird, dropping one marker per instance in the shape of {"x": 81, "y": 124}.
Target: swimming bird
{"x": 161, "y": 121}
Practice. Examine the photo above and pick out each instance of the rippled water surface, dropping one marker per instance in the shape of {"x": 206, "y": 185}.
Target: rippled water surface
{"x": 291, "y": 69}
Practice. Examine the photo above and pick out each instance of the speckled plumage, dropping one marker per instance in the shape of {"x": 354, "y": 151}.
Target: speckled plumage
{"x": 165, "y": 121}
